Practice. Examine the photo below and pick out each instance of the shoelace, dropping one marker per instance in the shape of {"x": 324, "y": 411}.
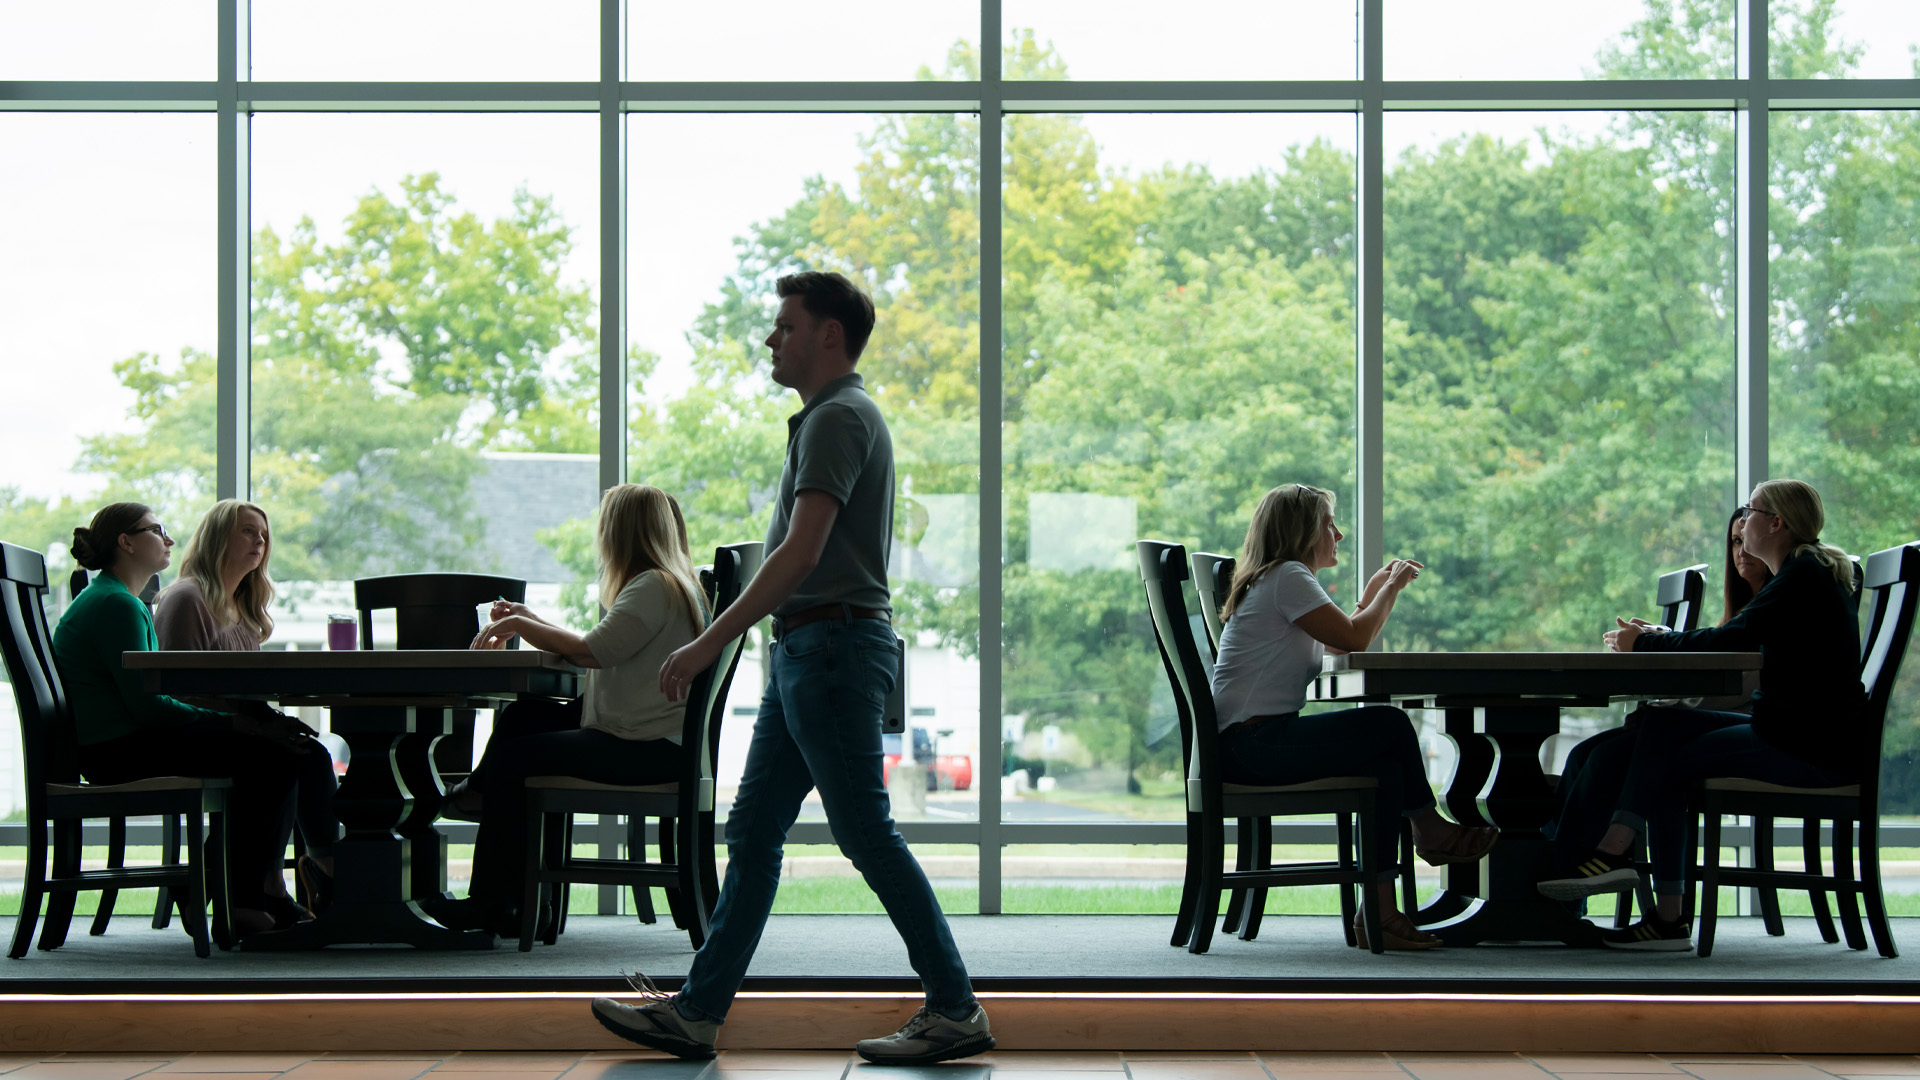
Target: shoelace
{"x": 645, "y": 987}
{"x": 920, "y": 1020}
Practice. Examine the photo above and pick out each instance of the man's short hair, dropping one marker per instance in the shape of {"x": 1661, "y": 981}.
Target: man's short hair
{"x": 827, "y": 295}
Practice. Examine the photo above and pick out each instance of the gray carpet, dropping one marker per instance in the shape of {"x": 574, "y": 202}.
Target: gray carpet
{"x": 1304, "y": 949}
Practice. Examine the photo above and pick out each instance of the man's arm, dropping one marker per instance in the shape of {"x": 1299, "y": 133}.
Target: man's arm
{"x": 783, "y": 570}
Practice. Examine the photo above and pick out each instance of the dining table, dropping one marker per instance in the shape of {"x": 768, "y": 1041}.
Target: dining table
{"x": 1498, "y": 709}
{"x": 390, "y": 707}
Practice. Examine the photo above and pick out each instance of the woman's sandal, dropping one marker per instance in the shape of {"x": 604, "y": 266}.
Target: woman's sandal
{"x": 1467, "y": 845}
{"x": 1393, "y": 931}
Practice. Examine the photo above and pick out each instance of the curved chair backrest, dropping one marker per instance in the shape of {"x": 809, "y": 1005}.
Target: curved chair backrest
{"x": 1680, "y": 595}
{"x": 48, "y": 746}
{"x": 432, "y": 611}
{"x": 1892, "y": 581}
{"x": 1212, "y": 578}
{"x": 1163, "y": 567}
{"x": 733, "y": 566}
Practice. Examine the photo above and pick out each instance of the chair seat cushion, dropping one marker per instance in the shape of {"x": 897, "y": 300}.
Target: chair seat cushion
{"x": 572, "y": 783}
{"x": 1741, "y": 783}
{"x": 151, "y": 783}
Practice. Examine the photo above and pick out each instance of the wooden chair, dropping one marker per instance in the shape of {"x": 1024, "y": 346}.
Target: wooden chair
{"x": 1213, "y": 579}
{"x": 1210, "y": 800}
{"x": 686, "y": 869}
{"x": 59, "y": 802}
{"x": 1892, "y": 580}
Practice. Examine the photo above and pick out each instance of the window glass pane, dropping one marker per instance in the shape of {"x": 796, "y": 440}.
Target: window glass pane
{"x": 426, "y": 40}
{"x": 1844, "y": 369}
{"x": 424, "y": 368}
{"x": 893, "y": 202}
{"x": 100, "y": 409}
{"x": 1861, "y": 39}
{"x": 1559, "y": 384}
{"x": 1524, "y": 39}
{"x": 1139, "y": 39}
{"x": 1179, "y": 339}
{"x": 755, "y": 40}
{"x": 108, "y": 39}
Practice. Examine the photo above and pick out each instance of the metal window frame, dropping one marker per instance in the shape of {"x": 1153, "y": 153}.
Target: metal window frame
{"x": 235, "y": 97}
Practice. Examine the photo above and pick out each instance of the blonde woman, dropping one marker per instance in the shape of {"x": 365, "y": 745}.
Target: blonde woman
{"x": 621, "y": 729}
{"x": 219, "y": 602}
{"x": 1805, "y": 726}
{"x": 1279, "y": 622}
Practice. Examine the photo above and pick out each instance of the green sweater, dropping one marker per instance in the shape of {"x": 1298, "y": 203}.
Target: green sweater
{"x": 109, "y": 701}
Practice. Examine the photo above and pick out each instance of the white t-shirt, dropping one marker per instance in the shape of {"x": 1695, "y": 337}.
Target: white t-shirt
{"x": 636, "y": 636}
{"x": 1266, "y": 661}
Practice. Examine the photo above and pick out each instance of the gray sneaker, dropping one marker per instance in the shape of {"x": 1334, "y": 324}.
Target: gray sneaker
{"x": 656, "y": 1024}
{"x": 930, "y": 1037}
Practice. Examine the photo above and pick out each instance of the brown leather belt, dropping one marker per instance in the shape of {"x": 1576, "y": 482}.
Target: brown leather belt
{"x": 785, "y": 624}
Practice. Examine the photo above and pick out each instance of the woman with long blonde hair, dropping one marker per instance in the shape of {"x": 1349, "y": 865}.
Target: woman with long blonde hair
{"x": 219, "y": 602}
{"x": 1804, "y": 728}
{"x": 621, "y": 729}
{"x": 1279, "y": 622}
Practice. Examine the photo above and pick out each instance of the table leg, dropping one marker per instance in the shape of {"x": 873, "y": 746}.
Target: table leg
{"x": 414, "y": 757}
{"x": 373, "y": 874}
{"x": 1499, "y": 782}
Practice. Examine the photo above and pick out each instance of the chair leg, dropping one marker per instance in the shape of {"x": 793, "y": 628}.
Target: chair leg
{"x": 66, "y": 864}
{"x": 1190, "y": 884}
{"x": 1709, "y": 881}
{"x": 562, "y": 889}
{"x": 1847, "y": 885}
{"x": 1815, "y": 864}
{"x": 116, "y": 859}
{"x": 1343, "y": 827}
{"x": 1206, "y": 908}
{"x": 1409, "y": 885}
{"x": 1242, "y": 862}
{"x": 1369, "y": 892}
{"x": 691, "y": 895}
{"x": 217, "y": 880}
{"x": 708, "y": 867}
{"x": 670, "y": 855}
{"x": 1769, "y": 897}
{"x": 1256, "y": 903}
{"x": 1870, "y": 892}
{"x": 637, "y": 853}
{"x": 33, "y": 888}
{"x": 169, "y": 856}
{"x": 300, "y": 893}
{"x": 534, "y": 858}
{"x": 194, "y": 915}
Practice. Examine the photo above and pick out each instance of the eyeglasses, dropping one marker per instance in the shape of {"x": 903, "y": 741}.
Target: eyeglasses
{"x": 156, "y": 529}
{"x": 1745, "y": 511}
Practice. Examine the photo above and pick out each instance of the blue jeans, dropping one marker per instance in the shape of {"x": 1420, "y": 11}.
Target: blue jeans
{"x": 819, "y": 727}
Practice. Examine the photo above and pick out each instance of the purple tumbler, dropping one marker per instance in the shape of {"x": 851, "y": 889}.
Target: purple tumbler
{"x": 342, "y": 633}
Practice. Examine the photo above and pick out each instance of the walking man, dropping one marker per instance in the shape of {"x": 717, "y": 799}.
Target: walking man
{"x": 833, "y": 663}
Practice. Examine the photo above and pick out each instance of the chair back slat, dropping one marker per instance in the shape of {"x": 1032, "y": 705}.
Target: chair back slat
{"x": 1680, "y": 595}
{"x": 432, "y": 611}
{"x": 47, "y": 748}
{"x": 1891, "y": 581}
{"x": 1212, "y": 579}
{"x": 1163, "y": 567}
{"x": 734, "y": 565}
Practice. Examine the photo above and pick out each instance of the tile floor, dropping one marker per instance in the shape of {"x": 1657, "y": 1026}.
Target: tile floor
{"x": 832, "y": 1065}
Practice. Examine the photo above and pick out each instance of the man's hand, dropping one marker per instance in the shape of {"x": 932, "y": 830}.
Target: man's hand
{"x": 1622, "y": 640}
{"x": 686, "y": 663}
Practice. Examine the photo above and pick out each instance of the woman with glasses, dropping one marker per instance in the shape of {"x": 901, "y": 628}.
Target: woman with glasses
{"x": 128, "y": 733}
{"x": 219, "y": 602}
{"x": 1277, "y": 624}
{"x": 1805, "y": 726}
{"x": 1596, "y": 770}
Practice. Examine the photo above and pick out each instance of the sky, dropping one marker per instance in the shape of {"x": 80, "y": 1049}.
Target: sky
{"x": 108, "y": 220}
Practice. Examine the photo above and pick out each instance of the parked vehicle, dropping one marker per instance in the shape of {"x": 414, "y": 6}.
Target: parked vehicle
{"x": 950, "y": 772}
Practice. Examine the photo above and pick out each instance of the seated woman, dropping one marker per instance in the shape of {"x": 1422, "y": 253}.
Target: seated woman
{"x": 621, "y": 729}
{"x": 1279, "y": 622}
{"x": 1590, "y": 783}
{"x": 220, "y": 601}
{"x": 1804, "y": 727}
{"x": 127, "y": 733}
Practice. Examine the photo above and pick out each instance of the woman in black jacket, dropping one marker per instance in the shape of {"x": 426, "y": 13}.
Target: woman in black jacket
{"x": 1805, "y": 728}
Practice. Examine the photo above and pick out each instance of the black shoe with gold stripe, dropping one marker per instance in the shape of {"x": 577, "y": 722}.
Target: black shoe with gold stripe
{"x": 1600, "y": 873}
{"x": 1651, "y": 934}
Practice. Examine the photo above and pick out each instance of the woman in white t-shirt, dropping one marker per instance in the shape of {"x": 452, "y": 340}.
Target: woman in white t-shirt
{"x": 1279, "y": 622}
{"x": 621, "y": 729}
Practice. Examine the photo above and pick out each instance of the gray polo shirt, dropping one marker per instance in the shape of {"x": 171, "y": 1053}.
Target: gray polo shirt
{"x": 839, "y": 445}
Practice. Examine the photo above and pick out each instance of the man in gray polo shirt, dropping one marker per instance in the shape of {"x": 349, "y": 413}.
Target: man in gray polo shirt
{"x": 833, "y": 664}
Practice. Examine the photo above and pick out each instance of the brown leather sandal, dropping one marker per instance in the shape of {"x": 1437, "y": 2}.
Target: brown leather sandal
{"x": 1394, "y": 930}
{"x": 1467, "y": 845}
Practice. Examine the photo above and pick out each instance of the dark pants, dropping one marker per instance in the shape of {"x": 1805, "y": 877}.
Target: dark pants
{"x": 1376, "y": 741}
{"x": 538, "y": 737}
{"x": 1588, "y": 792}
{"x": 259, "y": 807}
{"x": 1677, "y": 749}
{"x": 313, "y": 802}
